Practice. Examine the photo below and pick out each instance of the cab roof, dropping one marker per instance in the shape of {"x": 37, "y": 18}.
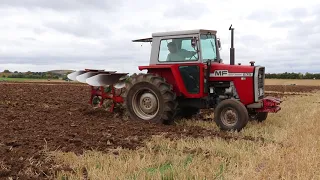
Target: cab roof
{"x": 184, "y": 32}
{"x": 174, "y": 33}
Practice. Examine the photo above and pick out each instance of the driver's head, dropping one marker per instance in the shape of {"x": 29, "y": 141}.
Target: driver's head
{"x": 172, "y": 47}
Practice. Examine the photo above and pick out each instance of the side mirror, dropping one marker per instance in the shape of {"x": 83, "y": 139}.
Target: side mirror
{"x": 193, "y": 42}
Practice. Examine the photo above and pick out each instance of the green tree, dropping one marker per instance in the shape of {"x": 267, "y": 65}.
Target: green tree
{"x": 28, "y": 72}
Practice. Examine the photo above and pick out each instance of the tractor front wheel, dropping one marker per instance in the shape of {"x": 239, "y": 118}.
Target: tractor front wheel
{"x": 231, "y": 114}
{"x": 149, "y": 98}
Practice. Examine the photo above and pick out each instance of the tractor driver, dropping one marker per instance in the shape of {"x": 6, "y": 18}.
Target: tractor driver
{"x": 178, "y": 55}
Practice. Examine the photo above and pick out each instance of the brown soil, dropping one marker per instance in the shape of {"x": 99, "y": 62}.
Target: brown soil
{"x": 57, "y": 116}
{"x": 292, "y": 88}
{"x": 283, "y": 91}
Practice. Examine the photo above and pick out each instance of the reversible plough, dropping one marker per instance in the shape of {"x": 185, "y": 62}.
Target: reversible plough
{"x": 105, "y": 85}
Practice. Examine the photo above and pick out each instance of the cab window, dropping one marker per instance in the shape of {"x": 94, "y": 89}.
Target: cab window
{"x": 177, "y": 50}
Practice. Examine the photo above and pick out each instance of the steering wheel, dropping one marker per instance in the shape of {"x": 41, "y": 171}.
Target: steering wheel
{"x": 193, "y": 56}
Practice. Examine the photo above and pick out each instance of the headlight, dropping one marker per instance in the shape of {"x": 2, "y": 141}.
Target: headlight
{"x": 261, "y": 92}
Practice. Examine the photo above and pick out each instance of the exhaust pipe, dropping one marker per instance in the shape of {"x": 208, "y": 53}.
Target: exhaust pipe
{"x": 232, "y": 48}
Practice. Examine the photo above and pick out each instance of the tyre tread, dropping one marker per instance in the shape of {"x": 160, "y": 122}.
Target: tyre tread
{"x": 170, "y": 104}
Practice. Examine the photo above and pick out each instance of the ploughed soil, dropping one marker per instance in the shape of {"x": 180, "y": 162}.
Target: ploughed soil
{"x": 283, "y": 91}
{"x": 292, "y": 88}
{"x": 56, "y": 116}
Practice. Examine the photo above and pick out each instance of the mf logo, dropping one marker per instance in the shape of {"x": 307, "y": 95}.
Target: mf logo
{"x": 220, "y": 72}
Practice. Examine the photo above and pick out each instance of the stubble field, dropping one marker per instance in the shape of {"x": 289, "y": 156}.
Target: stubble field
{"x": 48, "y": 131}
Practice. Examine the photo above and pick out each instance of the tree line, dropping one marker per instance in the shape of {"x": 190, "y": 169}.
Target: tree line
{"x": 33, "y": 75}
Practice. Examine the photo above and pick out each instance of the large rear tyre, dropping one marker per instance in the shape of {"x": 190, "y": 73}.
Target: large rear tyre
{"x": 149, "y": 98}
{"x": 231, "y": 114}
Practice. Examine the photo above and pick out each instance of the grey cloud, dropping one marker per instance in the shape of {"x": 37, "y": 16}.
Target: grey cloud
{"x": 63, "y": 5}
{"x": 108, "y": 54}
{"x": 29, "y": 38}
{"x": 82, "y": 26}
{"x": 38, "y": 60}
{"x": 186, "y": 10}
{"x": 262, "y": 15}
{"x": 47, "y": 59}
{"x": 293, "y": 53}
{"x": 288, "y": 53}
{"x": 285, "y": 60}
{"x": 291, "y": 46}
{"x": 305, "y": 29}
{"x": 290, "y": 65}
{"x": 145, "y": 29}
{"x": 141, "y": 30}
{"x": 316, "y": 10}
{"x": 314, "y": 41}
{"x": 299, "y": 12}
{"x": 251, "y": 40}
{"x": 293, "y": 68}
{"x": 94, "y": 45}
{"x": 298, "y": 54}
{"x": 286, "y": 24}
{"x": 39, "y": 30}
{"x": 300, "y": 32}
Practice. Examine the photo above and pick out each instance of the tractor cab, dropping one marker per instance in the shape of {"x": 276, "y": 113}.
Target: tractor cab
{"x": 190, "y": 46}
{"x": 187, "y": 51}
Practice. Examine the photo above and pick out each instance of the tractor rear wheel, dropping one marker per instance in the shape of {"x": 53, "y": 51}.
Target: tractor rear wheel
{"x": 231, "y": 114}
{"x": 149, "y": 98}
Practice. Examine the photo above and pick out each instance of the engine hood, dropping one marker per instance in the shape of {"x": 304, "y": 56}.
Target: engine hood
{"x": 226, "y": 70}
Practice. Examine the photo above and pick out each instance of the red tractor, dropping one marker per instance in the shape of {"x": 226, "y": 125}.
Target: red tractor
{"x": 186, "y": 74}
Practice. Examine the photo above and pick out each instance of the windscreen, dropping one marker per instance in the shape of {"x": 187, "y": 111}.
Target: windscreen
{"x": 208, "y": 47}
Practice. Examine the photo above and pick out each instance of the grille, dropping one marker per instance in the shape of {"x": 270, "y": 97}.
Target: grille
{"x": 261, "y": 75}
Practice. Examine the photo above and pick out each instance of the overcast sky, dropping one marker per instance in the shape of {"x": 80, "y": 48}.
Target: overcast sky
{"x": 42, "y": 35}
